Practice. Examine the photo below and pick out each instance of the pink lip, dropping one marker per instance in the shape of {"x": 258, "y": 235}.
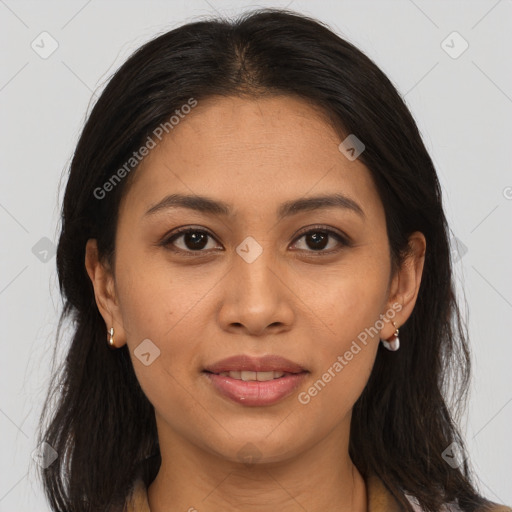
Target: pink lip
{"x": 255, "y": 393}
{"x": 267, "y": 363}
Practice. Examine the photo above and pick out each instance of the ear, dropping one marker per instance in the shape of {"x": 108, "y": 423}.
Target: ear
{"x": 103, "y": 282}
{"x": 406, "y": 283}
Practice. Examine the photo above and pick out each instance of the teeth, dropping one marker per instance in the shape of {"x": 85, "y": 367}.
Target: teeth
{"x": 263, "y": 376}
{"x": 256, "y": 376}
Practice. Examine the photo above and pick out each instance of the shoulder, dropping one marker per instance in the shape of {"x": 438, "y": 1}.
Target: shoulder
{"x": 137, "y": 501}
{"x": 381, "y": 500}
{"x": 495, "y": 507}
{"x": 453, "y": 507}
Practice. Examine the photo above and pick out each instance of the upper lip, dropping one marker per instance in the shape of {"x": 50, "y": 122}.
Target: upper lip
{"x": 266, "y": 363}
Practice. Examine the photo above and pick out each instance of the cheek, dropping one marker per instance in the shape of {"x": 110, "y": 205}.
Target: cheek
{"x": 154, "y": 307}
{"x": 351, "y": 297}
{"x": 154, "y": 298}
{"x": 346, "y": 355}
{"x": 331, "y": 395}
{"x": 352, "y": 301}
{"x": 164, "y": 306}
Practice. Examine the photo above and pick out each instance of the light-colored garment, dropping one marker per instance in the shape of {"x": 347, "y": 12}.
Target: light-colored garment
{"x": 379, "y": 499}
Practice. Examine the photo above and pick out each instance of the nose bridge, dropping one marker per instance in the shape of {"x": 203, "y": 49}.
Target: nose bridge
{"x": 254, "y": 266}
{"x": 254, "y": 296}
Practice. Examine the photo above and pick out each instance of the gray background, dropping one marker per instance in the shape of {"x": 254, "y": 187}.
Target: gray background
{"x": 463, "y": 107}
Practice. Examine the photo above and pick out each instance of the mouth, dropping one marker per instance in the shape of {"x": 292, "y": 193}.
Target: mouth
{"x": 255, "y": 382}
{"x": 249, "y": 376}
{"x": 250, "y": 367}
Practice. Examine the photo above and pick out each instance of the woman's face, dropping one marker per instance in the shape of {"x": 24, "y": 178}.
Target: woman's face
{"x": 252, "y": 281}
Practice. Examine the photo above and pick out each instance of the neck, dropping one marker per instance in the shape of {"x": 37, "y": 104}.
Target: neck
{"x": 318, "y": 479}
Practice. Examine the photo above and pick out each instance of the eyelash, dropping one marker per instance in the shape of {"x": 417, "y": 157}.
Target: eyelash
{"x": 342, "y": 239}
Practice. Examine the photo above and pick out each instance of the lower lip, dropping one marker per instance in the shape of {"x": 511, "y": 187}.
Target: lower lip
{"x": 256, "y": 393}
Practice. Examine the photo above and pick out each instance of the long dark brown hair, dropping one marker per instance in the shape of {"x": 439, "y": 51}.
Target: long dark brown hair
{"x": 96, "y": 416}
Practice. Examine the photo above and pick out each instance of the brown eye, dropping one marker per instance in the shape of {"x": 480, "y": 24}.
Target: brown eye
{"x": 193, "y": 240}
{"x": 317, "y": 240}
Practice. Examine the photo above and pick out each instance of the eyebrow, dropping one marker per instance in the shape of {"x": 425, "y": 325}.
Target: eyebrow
{"x": 211, "y": 206}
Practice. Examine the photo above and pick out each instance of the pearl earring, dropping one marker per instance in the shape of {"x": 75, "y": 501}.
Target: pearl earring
{"x": 392, "y": 344}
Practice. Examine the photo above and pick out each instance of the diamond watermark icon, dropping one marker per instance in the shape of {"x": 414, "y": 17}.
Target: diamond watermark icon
{"x": 454, "y": 45}
{"x": 44, "y": 455}
{"x": 249, "y": 249}
{"x": 352, "y": 147}
{"x": 147, "y": 352}
{"x": 249, "y": 454}
{"x": 453, "y": 455}
{"x": 457, "y": 249}
{"x": 44, "y": 249}
{"x": 44, "y": 45}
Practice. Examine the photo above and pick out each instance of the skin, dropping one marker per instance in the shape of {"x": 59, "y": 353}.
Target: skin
{"x": 290, "y": 301}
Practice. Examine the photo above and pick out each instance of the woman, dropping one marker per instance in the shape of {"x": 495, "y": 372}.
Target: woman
{"x": 255, "y": 256}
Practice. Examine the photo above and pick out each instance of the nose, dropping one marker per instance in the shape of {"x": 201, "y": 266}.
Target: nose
{"x": 256, "y": 298}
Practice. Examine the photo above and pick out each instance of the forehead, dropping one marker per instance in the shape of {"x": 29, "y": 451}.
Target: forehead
{"x": 274, "y": 126}
{"x": 252, "y": 151}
